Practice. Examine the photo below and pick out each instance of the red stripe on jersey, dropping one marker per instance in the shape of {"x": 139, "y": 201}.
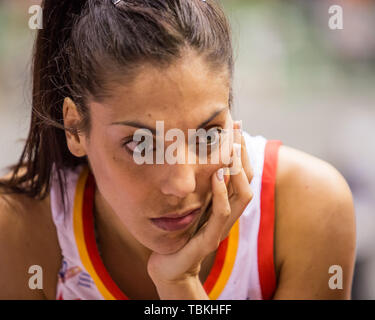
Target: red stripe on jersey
{"x": 266, "y": 265}
{"x": 89, "y": 234}
{"x": 217, "y": 266}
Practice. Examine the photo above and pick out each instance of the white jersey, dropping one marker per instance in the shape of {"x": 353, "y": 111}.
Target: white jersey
{"x": 244, "y": 264}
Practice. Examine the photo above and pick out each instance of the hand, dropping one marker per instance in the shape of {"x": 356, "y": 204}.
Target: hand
{"x": 248, "y": 170}
{"x": 245, "y": 163}
{"x": 227, "y": 207}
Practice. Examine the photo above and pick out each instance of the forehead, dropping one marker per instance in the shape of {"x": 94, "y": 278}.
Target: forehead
{"x": 186, "y": 89}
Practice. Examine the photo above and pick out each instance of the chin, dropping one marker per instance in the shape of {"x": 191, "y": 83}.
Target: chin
{"x": 170, "y": 245}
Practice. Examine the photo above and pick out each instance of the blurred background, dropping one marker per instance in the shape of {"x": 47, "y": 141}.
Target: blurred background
{"x": 296, "y": 80}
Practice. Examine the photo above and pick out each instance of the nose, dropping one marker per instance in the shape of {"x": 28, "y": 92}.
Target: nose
{"x": 179, "y": 180}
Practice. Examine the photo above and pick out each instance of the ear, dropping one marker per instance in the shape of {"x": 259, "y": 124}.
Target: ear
{"x": 76, "y": 143}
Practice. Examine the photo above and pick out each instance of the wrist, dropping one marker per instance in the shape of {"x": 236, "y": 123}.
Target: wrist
{"x": 189, "y": 288}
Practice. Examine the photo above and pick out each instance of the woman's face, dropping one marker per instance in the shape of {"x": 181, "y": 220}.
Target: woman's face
{"x": 183, "y": 96}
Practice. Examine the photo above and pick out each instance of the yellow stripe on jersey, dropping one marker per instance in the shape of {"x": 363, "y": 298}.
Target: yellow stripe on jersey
{"x": 79, "y": 235}
{"x": 230, "y": 257}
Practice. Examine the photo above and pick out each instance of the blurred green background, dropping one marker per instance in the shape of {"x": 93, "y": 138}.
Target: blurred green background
{"x": 295, "y": 80}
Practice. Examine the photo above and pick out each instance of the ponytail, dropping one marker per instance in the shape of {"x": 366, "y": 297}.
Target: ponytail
{"x": 45, "y": 142}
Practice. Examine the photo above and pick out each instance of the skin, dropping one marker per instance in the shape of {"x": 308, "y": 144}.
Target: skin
{"x": 312, "y": 199}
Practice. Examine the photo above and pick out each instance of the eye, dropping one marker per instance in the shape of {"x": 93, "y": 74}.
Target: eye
{"x": 212, "y": 136}
{"x": 132, "y": 146}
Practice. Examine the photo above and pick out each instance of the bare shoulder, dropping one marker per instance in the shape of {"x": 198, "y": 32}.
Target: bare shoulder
{"x": 315, "y": 227}
{"x": 27, "y": 237}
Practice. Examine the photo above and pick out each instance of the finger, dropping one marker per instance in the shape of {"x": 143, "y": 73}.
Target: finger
{"x": 245, "y": 160}
{"x": 227, "y": 182}
{"x": 236, "y": 166}
{"x": 208, "y": 204}
{"x": 240, "y": 183}
{"x": 221, "y": 211}
{"x": 236, "y": 163}
{"x": 205, "y": 216}
{"x": 238, "y": 204}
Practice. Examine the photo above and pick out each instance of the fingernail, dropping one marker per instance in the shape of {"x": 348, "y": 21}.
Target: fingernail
{"x": 220, "y": 174}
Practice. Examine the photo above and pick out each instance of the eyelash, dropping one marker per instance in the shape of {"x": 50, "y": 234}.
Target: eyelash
{"x": 220, "y": 129}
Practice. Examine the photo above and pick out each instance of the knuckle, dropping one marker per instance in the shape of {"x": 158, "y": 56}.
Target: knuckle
{"x": 246, "y": 196}
{"x": 226, "y": 212}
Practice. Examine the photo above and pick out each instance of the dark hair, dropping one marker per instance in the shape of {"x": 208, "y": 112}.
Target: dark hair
{"x": 87, "y": 45}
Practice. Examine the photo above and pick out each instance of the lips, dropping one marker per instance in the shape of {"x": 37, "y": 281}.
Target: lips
{"x": 175, "y": 222}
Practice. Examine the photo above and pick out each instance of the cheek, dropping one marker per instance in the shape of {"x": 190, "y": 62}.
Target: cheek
{"x": 125, "y": 197}
{"x": 204, "y": 178}
{"x": 127, "y": 185}
{"x": 131, "y": 189}
{"x": 126, "y": 188}
{"x": 118, "y": 181}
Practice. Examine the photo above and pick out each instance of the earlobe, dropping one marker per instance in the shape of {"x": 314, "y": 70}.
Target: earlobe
{"x": 71, "y": 119}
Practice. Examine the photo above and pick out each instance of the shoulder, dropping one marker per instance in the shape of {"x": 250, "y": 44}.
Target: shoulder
{"x": 27, "y": 238}
{"x": 315, "y": 226}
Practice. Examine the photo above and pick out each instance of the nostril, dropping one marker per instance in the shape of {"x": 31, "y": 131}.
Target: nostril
{"x": 180, "y": 187}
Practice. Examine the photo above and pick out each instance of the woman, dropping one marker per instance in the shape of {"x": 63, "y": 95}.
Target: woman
{"x": 101, "y": 226}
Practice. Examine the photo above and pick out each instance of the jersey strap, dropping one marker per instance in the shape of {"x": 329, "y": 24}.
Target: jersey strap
{"x": 266, "y": 265}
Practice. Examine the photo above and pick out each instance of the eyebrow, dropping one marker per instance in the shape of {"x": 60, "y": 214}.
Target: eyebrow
{"x": 143, "y": 126}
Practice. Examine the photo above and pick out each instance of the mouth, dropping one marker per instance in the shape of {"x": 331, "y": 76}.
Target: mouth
{"x": 176, "y": 222}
